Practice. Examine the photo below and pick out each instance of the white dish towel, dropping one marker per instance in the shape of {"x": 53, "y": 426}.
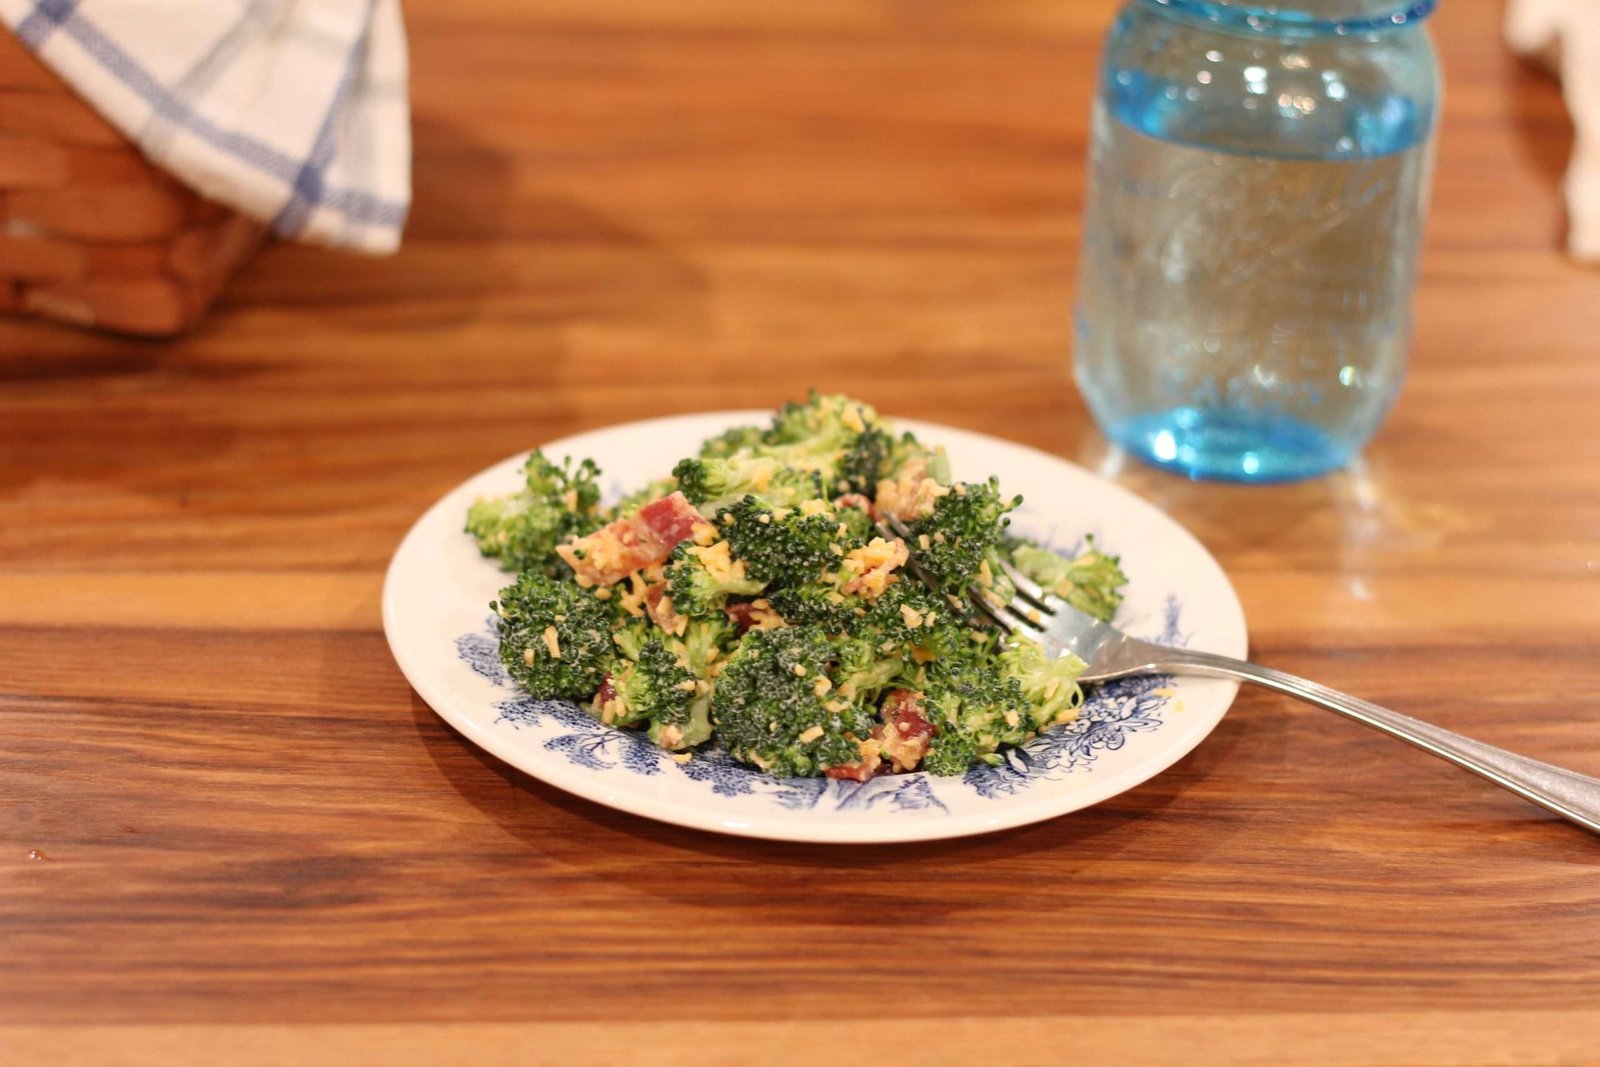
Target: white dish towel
{"x": 1565, "y": 36}
{"x": 294, "y": 112}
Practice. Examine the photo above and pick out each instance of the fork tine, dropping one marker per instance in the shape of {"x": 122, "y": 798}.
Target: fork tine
{"x": 1007, "y": 616}
{"x": 1029, "y": 590}
{"x": 1008, "y": 619}
{"x": 999, "y": 616}
{"x": 893, "y": 529}
{"x": 895, "y": 526}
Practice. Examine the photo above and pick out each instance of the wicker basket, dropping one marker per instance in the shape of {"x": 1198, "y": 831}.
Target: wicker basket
{"x": 91, "y": 233}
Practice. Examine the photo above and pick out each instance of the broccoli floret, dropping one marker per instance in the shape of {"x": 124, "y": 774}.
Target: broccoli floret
{"x": 711, "y": 484}
{"x": 817, "y": 604}
{"x": 696, "y": 478}
{"x": 848, "y": 441}
{"x": 704, "y": 641}
{"x": 877, "y": 644}
{"x": 658, "y": 690}
{"x": 867, "y": 460}
{"x": 969, "y": 698}
{"x": 781, "y": 549}
{"x": 965, "y": 524}
{"x": 729, "y": 442}
{"x": 630, "y": 633}
{"x": 522, "y": 530}
{"x": 654, "y": 685}
{"x": 822, "y": 601}
{"x": 555, "y": 638}
{"x": 864, "y": 669}
{"x": 858, "y": 526}
{"x": 774, "y": 707}
{"x": 839, "y": 441}
{"x": 701, "y": 579}
{"x": 691, "y": 728}
{"x": 949, "y": 753}
{"x": 906, "y": 619}
{"x": 1090, "y": 582}
{"x": 876, "y": 454}
{"x": 824, "y": 425}
{"x": 651, "y": 687}
{"x": 1051, "y": 685}
{"x": 914, "y": 618}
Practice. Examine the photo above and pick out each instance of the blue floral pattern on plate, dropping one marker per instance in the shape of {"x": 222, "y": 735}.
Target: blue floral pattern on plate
{"x": 1110, "y": 715}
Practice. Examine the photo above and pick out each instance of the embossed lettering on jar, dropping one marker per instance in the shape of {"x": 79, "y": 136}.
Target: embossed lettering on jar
{"x": 1258, "y": 182}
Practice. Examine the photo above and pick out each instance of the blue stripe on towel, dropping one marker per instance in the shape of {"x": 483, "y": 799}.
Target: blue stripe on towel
{"x": 304, "y": 178}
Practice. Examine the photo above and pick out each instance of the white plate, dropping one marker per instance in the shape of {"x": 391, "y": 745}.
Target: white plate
{"x": 436, "y": 615}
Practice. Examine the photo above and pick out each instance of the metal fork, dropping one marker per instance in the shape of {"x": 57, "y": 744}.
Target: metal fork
{"x": 1110, "y": 653}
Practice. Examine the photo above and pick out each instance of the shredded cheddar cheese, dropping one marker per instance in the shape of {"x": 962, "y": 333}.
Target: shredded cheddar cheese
{"x": 719, "y": 562}
{"x": 873, "y": 565}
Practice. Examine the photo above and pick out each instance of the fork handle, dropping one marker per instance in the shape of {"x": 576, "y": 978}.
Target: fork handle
{"x": 1574, "y": 797}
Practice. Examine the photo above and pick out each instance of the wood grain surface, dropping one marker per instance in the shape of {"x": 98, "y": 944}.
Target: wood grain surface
{"x": 230, "y": 832}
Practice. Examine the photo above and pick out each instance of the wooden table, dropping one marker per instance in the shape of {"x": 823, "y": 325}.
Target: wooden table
{"x": 228, "y": 828}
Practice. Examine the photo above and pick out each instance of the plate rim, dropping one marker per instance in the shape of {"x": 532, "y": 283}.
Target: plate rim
{"x": 593, "y": 787}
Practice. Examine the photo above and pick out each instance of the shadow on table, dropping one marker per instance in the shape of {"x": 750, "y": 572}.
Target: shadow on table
{"x": 1354, "y": 518}
{"x": 483, "y": 241}
{"x": 1544, "y": 133}
{"x": 1076, "y": 857}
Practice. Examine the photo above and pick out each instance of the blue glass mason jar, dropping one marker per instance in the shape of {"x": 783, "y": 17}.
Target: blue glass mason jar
{"x": 1258, "y": 179}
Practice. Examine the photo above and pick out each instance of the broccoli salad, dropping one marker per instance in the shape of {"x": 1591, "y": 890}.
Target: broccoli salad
{"x": 750, "y": 600}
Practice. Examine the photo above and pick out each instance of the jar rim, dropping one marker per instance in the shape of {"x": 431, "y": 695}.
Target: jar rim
{"x": 1273, "y": 19}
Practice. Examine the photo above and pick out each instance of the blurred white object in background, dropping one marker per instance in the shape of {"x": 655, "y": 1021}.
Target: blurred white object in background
{"x": 294, "y": 112}
{"x": 1564, "y": 35}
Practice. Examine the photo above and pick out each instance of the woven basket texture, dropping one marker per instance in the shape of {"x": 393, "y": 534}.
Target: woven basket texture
{"x": 91, "y": 233}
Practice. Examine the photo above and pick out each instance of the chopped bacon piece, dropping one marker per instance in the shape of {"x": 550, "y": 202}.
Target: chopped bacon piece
{"x": 660, "y": 608}
{"x": 859, "y": 770}
{"x": 605, "y": 701}
{"x": 615, "y": 551}
{"x": 857, "y": 500}
{"x": 741, "y": 615}
{"x": 671, "y": 519}
{"x": 753, "y": 615}
{"x": 903, "y": 709}
{"x": 904, "y": 735}
{"x": 854, "y": 771}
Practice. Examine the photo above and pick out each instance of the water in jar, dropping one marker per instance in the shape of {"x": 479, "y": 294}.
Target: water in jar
{"x": 1244, "y": 308}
